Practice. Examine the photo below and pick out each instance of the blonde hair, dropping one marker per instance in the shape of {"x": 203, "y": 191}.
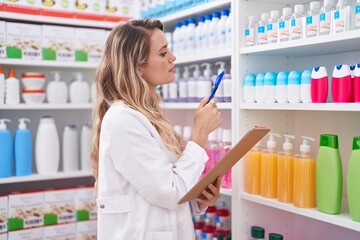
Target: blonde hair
{"x": 117, "y": 78}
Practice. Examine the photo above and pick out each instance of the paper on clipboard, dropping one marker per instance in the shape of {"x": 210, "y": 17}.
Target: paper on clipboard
{"x": 227, "y": 162}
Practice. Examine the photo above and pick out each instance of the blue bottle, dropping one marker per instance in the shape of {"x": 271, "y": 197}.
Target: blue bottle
{"x": 23, "y": 149}
{"x": 6, "y": 149}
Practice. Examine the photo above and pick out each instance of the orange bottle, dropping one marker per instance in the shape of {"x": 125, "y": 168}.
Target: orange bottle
{"x": 304, "y": 177}
{"x": 253, "y": 170}
{"x": 268, "y": 186}
{"x": 286, "y": 172}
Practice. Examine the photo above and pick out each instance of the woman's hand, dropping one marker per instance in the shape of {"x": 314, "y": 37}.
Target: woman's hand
{"x": 207, "y": 119}
{"x": 211, "y": 194}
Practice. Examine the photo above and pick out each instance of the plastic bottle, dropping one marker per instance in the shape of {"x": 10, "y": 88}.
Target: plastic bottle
{"x": 319, "y": 85}
{"x": 57, "y": 90}
{"x": 182, "y": 44}
{"x": 285, "y": 171}
{"x": 297, "y": 22}
{"x": 305, "y": 91}
{"x": 357, "y": 15}
{"x": 190, "y": 35}
{"x": 342, "y": 16}
{"x": 79, "y": 89}
{"x": 198, "y": 224}
{"x": 328, "y": 175}
{"x": 312, "y": 20}
{"x": 219, "y": 232}
{"x": 253, "y": 170}
{"x": 93, "y": 92}
{"x": 186, "y": 133}
{"x": 212, "y": 150}
{"x": 353, "y": 179}
{"x": 220, "y": 90}
{"x": 204, "y": 84}
{"x": 269, "y": 93}
{"x": 326, "y": 15}
{"x": 281, "y": 87}
{"x": 249, "y": 88}
{"x": 47, "y": 147}
{"x": 198, "y": 32}
{"x": 357, "y": 83}
{"x": 342, "y": 85}
{"x": 257, "y": 233}
{"x": 210, "y": 214}
{"x": 176, "y": 37}
{"x": 173, "y": 88}
{"x": 192, "y": 83}
{"x": 250, "y": 31}
{"x": 165, "y": 92}
{"x": 207, "y": 230}
{"x": 304, "y": 176}
{"x": 214, "y": 32}
{"x": 222, "y": 29}
{"x": 70, "y": 151}
{"x": 268, "y": 187}
{"x": 223, "y": 217}
{"x": 275, "y": 236}
{"x": 227, "y": 84}
{"x": 261, "y": 30}
{"x": 205, "y": 33}
{"x": 272, "y": 26}
{"x": 183, "y": 85}
{"x": 6, "y": 150}
{"x": 294, "y": 87}
{"x": 284, "y": 25}
{"x": 225, "y": 147}
{"x": 2, "y": 86}
{"x": 85, "y": 147}
{"x": 259, "y": 87}
{"x": 22, "y": 149}
{"x": 228, "y": 27}
{"x": 12, "y": 88}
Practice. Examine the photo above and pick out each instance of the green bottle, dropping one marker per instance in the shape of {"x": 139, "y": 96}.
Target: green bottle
{"x": 353, "y": 180}
{"x": 328, "y": 175}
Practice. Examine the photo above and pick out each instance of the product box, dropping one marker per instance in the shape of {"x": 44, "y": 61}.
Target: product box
{"x": 58, "y": 43}
{"x": 58, "y": 8}
{"x": 90, "y": 9}
{"x": 116, "y": 10}
{"x": 89, "y": 44}
{"x": 23, "y": 6}
{"x": 2, "y": 40}
{"x": 3, "y": 214}
{"x": 23, "y": 41}
{"x": 25, "y": 210}
{"x": 28, "y": 234}
{"x": 59, "y": 206}
{"x": 60, "y": 232}
{"x": 85, "y": 204}
{"x": 86, "y": 230}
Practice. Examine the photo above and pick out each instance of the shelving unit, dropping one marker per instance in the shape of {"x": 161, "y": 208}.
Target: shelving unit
{"x": 336, "y": 107}
{"x": 205, "y": 56}
{"x": 47, "y": 106}
{"x": 48, "y": 64}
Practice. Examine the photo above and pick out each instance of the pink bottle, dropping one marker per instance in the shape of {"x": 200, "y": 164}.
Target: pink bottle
{"x": 352, "y": 71}
{"x": 212, "y": 150}
{"x": 341, "y": 88}
{"x": 357, "y": 83}
{"x": 225, "y": 147}
{"x": 223, "y": 217}
{"x": 207, "y": 230}
{"x": 319, "y": 85}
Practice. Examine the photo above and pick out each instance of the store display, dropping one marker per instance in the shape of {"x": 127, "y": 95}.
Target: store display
{"x": 6, "y": 151}
{"x": 353, "y": 178}
{"x": 23, "y": 149}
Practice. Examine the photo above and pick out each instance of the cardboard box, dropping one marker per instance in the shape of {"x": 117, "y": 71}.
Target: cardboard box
{"x": 23, "y": 41}
{"x": 90, "y": 9}
{"x": 2, "y": 40}
{"x": 3, "y": 214}
{"x": 25, "y": 210}
{"x": 85, "y": 204}
{"x": 28, "y": 234}
{"x": 59, "y": 206}
{"x": 58, "y": 43}
{"x": 89, "y": 44}
{"x": 86, "y": 230}
{"x": 227, "y": 162}
{"x": 116, "y": 10}
{"x": 60, "y": 232}
{"x": 23, "y": 6}
{"x": 58, "y": 8}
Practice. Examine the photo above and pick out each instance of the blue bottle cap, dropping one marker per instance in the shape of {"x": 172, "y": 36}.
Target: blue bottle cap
{"x": 294, "y": 78}
{"x": 259, "y": 81}
{"x": 282, "y": 78}
{"x": 201, "y": 19}
{"x": 216, "y": 15}
{"x": 224, "y": 12}
{"x": 270, "y": 79}
{"x": 249, "y": 79}
{"x": 306, "y": 76}
{"x": 208, "y": 17}
{"x": 191, "y": 20}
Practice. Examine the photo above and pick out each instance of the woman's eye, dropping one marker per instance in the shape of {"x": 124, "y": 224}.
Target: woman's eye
{"x": 163, "y": 54}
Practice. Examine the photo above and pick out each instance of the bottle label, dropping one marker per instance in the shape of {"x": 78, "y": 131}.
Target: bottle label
{"x": 357, "y": 16}
{"x": 325, "y": 23}
{"x": 284, "y": 30}
{"x": 295, "y": 28}
{"x": 183, "y": 90}
{"x": 222, "y": 37}
{"x": 262, "y": 35}
{"x": 272, "y": 33}
{"x": 249, "y": 37}
{"x": 311, "y": 26}
{"x": 339, "y": 20}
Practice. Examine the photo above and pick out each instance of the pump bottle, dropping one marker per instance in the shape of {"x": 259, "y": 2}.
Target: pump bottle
{"x": 173, "y": 88}
{"x": 212, "y": 150}
{"x": 353, "y": 179}
{"x": 6, "y": 149}
{"x": 253, "y": 170}
{"x": 183, "y": 85}
{"x": 203, "y": 85}
{"x": 192, "y": 83}
{"x": 268, "y": 187}
{"x": 220, "y": 90}
{"x": 23, "y": 149}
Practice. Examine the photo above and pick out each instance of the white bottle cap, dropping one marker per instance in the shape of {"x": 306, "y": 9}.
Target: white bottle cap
{"x": 196, "y": 72}
{"x": 22, "y": 123}
{"x": 305, "y": 147}
{"x": 186, "y": 133}
{"x": 264, "y": 16}
{"x": 252, "y": 18}
{"x": 221, "y": 66}
{"x": 329, "y": 2}
{"x": 314, "y": 5}
{"x": 226, "y": 135}
{"x": 186, "y": 73}
{"x": 3, "y": 123}
{"x": 177, "y": 129}
{"x": 212, "y": 136}
{"x": 274, "y": 14}
{"x": 288, "y": 146}
{"x": 287, "y": 11}
{"x": 207, "y": 71}
{"x": 299, "y": 8}
{"x": 271, "y": 143}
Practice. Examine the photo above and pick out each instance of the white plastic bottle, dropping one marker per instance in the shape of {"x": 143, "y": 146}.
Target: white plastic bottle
{"x": 47, "y": 147}
{"x": 192, "y": 83}
{"x": 176, "y": 37}
{"x": 85, "y": 147}
{"x": 165, "y": 92}
{"x": 261, "y": 30}
{"x": 57, "y": 90}
{"x": 296, "y": 22}
{"x": 284, "y": 25}
{"x": 227, "y": 84}
{"x": 183, "y": 38}
{"x": 79, "y": 89}
{"x": 220, "y": 90}
{"x": 70, "y": 147}
{"x": 228, "y": 27}
{"x": 357, "y": 15}
{"x": 294, "y": 86}
{"x": 326, "y": 18}
{"x": 190, "y": 35}
{"x": 259, "y": 88}
{"x": 203, "y": 84}
{"x": 183, "y": 85}
{"x": 198, "y": 32}
{"x": 2, "y": 86}
{"x": 249, "y": 88}
{"x": 12, "y": 88}
{"x": 342, "y": 16}
{"x": 222, "y": 29}
{"x": 269, "y": 90}
{"x": 281, "y": 87}
{"x": 173, "y": 88}
{"x": 250, "y": 31}
{"x": 272, "y": 26}
{"x": 213, "y": 31}
{"x": 312, "y": 20}
{"x": 305, "y": 88}
{"x": 205, "y": 33}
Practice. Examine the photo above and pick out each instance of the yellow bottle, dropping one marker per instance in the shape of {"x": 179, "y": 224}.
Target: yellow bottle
{"x": 253, "y": 170}
{"x": 304, "y": 177}
{"x": 268, "y": 186}
{"x": 286, "y": 172}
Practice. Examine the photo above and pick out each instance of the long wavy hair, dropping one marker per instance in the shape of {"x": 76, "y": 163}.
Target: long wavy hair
{"x": 118, "y": 78}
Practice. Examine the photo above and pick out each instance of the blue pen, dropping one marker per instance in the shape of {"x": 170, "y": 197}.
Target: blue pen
{"x": 216, "y": 85}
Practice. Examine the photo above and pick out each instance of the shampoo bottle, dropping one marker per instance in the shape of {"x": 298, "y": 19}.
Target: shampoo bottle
{"x": 293, "y": 87}
{"x": 357, "y": 83}
{"x": 70, "y": 149}
{"x": 249, "y": 88}
{"x": 6, "y": 149}
{"x": 269, "y": 90}
{"x": 319, "y": 85}
{"x": 281, "y": 87}
{"x": 328, "y": 175}
{"x": 253, "y": 170}
{"x": 259, "y": 87}
{"x": 192, "y": 83}
{"x": 57, "y": 90}
{"x": 341, "y": 88}
{"x": 305, "y": 87}
{"x": 183, "y": 85}
{"x": 353, "y": 179}
{"x": 23, "y": 149}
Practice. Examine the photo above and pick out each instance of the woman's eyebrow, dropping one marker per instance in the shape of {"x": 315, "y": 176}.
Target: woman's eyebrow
{"x": 165, "y": 46}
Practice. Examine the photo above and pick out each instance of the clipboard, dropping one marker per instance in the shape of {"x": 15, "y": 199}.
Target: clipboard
{"x": 227, "y": 162}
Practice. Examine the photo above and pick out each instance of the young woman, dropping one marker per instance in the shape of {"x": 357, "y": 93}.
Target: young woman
{"x": 141, "y": 167}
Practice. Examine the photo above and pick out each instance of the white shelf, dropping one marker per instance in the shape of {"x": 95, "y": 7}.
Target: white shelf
{"x": 172, "y": 105}
{"x": 342, "y": 220}
{"x": 47, "y": 106}
{"x": 205, "y": 56}
{"x": 227, "y": 192}
{"x": 349, "y": 107}
{"x": 37, "y": 177}
{"x": 47, "y": 63}
{"x": 335, "y": 43}
{"x": 56, "y": 20}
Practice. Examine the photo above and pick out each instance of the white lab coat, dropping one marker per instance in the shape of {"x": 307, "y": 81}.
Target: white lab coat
{"x": 140, "y": 181}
